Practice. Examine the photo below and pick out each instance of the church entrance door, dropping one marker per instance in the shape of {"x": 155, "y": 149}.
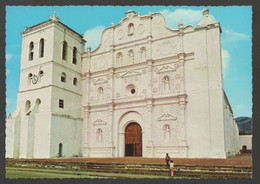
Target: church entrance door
{"x": 133, "y": 140}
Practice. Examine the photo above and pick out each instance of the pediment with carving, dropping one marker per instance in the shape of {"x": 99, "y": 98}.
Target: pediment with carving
{"x": 130, "y": 74}
{"x": 165, "y": 69}
{"x": 100, "y": 81}
{"x": 167, "y": 117}
{"x": 99, "y": 122}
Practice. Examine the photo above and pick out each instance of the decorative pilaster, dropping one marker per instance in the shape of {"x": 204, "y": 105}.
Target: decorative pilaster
{"x": 182, "y": 119}
{"x": 181, "y": 63}
{"x": 149, "y": 135}
{"x": 86, "y": 133}
{"x": 112, "y": 128}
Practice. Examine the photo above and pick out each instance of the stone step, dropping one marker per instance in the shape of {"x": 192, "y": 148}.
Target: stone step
{"x": 133, "y": 166}
{"x": 142, "y": 169}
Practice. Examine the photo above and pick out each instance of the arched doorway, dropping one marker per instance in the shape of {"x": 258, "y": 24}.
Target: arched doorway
{"x": 133, "y": 140}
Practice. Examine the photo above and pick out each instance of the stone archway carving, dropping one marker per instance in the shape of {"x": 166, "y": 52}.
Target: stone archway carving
{"x": 126, "y": 119}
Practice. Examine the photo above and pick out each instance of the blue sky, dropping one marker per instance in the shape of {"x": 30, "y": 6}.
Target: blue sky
{"x": 235, "y": 21}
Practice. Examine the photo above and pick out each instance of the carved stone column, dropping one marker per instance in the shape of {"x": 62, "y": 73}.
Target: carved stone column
{"x": 183, "y": 139}
{"x": 150, "y": 151}
{"x": 112, "y": 129}
{"x": 181, "y": 63}
{"x": 121, "y": 147}
{"x": 85, "y": 133}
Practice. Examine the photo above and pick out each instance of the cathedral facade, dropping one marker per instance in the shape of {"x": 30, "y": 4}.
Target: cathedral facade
{"x": 145, "y": 91}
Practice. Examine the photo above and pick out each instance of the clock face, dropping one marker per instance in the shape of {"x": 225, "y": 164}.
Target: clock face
{"x": 34, "y": 79}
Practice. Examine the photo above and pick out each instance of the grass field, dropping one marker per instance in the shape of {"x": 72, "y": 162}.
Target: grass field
{"x": 32, "y": 173}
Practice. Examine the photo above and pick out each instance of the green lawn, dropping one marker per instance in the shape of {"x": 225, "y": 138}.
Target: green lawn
{"x": 42, "y": 173}
{"x": 36, "y": 173}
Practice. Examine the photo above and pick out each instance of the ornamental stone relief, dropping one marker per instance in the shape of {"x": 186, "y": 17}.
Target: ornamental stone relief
{"x": 155, "y": 68}
{"x": 167, "y": 117}
{"x": 117, "y": 95}
{"x": 144, "y": 91}
{"x": 120, "y": 34}
{"x": 99, "y": 122}
{"x": 117, "y": 75}
{"x": 166, "y": 47}
{"x": 140, "y": 29}
{"x": 178, "y": 86}
{"x": 108, "y": 86}
{"x": 136, "y": 78}
{"x": 155, "y": 90}
{"x": 100, "y": 81}
{"x": 177, "y": 76}
{"x": 155, "y": 80}
{"x": 144, "y": 71}
{"x": 100, "y": 63}
{"x": 176, "y": 65}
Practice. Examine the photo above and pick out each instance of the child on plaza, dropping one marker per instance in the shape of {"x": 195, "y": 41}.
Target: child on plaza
{"x": 171, "y": 168}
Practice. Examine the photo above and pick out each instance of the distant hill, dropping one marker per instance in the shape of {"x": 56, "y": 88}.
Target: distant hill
{"x": 244, "y": 125}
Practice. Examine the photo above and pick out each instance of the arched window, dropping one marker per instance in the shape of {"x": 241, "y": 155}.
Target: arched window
{"x": 119, "y": 58}
{"x": 166, "y": 132}
{"x": 131, "y": 56}
{"x": 130, "y": 29}
{"x": 166, "y": 84}
{"x": 100, "y": 93}
{"x": 40, "y": 73}
{"x": 75, "y": 81}
{"x": 27, "y": 107}
{"x": 41, "y": 48}
{"x": 31, "y": 47}
{"x": 99, "y": 135}
{"x": 64, "y": 50}
{"x": 142, "y": 54}
{"x": 74, "y": 58}
{"x": 37, "y": 105}
{"x": 63, "y": 77}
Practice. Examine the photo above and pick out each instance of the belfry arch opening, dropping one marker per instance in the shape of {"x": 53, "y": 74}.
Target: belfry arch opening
{"x": 133, "y": 140}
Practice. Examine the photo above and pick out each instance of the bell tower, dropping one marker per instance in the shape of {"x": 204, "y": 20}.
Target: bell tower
{"x": 49, "y": 97}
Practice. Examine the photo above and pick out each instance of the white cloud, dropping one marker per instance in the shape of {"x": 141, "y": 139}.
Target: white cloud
{"x": 7, "y": 71}
{"x": 232, "y": 36}
{"x": 186, "y": 16}
{"x": 8, "y": 57}
{"x": 7, "y": 100}
{"x": 225, "y": 61}
{"x": 93, "y": 36}
{"x": 240, "y": 107}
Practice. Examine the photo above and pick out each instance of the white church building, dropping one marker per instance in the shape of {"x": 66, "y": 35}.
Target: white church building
{"x": 145, "y": 91}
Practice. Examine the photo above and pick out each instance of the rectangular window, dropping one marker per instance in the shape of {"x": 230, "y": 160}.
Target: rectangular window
{"x": 61, "y": 103}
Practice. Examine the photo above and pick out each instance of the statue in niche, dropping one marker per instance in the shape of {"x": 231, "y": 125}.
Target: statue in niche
{"x": 166, "y": 130}
{"x": 119, "y": 59}
{"x": 131, "y": 57}
{"x": 100, "y": 93}
{"x": 143, "y": 54}
{"x": 166, "y": 84}
{"x": 130, "y": 29}
{"x": 99, "y": 135}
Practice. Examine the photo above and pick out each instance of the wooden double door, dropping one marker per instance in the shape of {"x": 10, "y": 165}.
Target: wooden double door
{"x": 133, "y": 140}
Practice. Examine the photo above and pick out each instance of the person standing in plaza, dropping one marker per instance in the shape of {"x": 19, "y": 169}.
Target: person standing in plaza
{"x": 171, "y": 168}
{"x": 167, "y": 159}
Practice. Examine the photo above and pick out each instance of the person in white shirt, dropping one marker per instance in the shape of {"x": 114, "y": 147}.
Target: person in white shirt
{"x": 171, "y": 168}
